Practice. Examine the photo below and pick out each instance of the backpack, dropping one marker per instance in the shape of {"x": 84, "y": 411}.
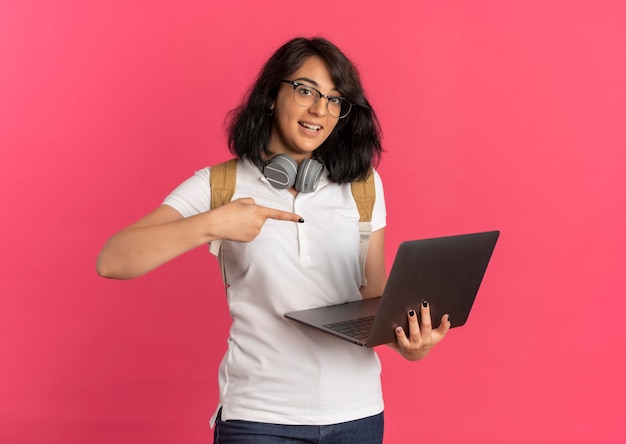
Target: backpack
{"x": 223, "y": 180}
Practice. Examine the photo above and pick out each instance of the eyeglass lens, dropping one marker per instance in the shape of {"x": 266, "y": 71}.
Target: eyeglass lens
{"x": 306, "y": 96}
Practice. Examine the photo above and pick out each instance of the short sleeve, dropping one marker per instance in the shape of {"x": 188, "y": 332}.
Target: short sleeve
{"x": 379, "y": 213}
{"x": 193, "y": 196}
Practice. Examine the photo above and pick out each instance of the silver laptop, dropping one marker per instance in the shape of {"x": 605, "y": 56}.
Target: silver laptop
{"x": 445, "y": 271}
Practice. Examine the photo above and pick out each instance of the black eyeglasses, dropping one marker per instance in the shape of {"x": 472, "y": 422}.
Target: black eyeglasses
{"x": 305, "y": 95}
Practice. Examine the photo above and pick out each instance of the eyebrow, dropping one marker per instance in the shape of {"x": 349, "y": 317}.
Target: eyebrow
{"x": 313, "y": 82}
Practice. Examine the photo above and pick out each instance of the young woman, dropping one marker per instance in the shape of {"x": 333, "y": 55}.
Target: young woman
{"x": 287, "y": 247}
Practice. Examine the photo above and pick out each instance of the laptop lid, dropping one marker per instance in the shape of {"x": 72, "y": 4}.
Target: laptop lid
{"x": 445, "y": 271}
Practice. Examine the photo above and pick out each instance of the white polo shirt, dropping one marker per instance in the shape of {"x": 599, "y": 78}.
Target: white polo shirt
{"x": 276, "y": 370}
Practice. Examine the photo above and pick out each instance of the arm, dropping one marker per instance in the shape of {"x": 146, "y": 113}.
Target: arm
{"x": 418, "y": 343}
{"x": 164, "y": 234}
{"x": 155, "y": 239}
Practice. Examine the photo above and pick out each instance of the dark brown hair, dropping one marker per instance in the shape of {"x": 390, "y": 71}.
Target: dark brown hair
{"x": 354, "y": 145}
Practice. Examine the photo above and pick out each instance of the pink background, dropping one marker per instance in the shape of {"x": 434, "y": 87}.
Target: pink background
{"x": 497, "y": 114}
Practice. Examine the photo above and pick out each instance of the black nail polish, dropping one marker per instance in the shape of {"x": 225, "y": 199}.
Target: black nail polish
{"x": 411, "y": 313}
{"x": 425, "y": 304}
{"x": 301, "y": 220}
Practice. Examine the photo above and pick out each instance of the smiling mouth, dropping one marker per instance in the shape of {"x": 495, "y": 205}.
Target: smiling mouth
{"x": 310, "y": 126}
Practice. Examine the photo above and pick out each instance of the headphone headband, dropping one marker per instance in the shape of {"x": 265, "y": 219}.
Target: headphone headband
{"x": 283, "y": 172}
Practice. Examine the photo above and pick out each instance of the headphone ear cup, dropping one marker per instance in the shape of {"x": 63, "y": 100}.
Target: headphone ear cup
{"x": 309, "y": 174}
{"x": 281, "y": 171}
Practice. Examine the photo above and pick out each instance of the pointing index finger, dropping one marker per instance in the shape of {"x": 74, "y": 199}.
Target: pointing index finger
{"x": 272, "y": 213}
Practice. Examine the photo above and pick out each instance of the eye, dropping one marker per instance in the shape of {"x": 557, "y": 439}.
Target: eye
{"x": 335, "y": 100}
{"x": 304, "y": 91}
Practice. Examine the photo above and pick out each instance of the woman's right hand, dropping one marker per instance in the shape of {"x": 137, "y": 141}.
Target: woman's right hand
{"x": 242, "y": 219}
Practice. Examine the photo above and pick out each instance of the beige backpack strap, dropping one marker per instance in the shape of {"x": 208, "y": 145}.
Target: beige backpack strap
{"x": 364, "y": 194}
{"x": 223, "y": 179}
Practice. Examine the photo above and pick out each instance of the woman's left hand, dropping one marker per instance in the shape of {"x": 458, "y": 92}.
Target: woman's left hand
{"x": 420, "y": 341}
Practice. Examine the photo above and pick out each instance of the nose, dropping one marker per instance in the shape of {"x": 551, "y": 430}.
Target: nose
{"x": 319, "y": 108}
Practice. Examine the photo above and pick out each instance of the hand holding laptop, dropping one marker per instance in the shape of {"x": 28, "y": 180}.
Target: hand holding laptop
{"x": 421, "y": 338}
{"x": 446, "y": 272}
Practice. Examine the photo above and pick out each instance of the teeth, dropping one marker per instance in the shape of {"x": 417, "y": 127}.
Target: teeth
{"x": 311, "y": 127}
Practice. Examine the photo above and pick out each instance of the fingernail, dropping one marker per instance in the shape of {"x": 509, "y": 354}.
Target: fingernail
{"x": 301, "y": 220}
{"x": 411, "y": 313}
{"x": 425, "y": 304}
{"x": 398, "y": 329}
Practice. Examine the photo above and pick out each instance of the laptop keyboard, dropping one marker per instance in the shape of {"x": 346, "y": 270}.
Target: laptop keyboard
{"x": 355, "y": 328}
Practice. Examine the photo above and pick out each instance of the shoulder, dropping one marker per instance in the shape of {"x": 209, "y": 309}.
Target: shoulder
{"x": 379, "y": 216}
{"x": 192, "y": 196}
{"x": 377, "y": 176}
